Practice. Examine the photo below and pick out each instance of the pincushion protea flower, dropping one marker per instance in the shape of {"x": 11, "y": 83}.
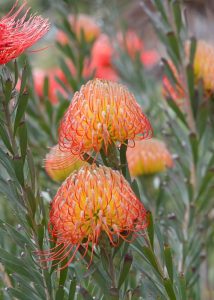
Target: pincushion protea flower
{"x": 102, "y": 113}
{"x": 148, "y": 157}
{"x": 93, "y": 202}
{"x": 16, "y": 35}
{"x": 60, "y": 164}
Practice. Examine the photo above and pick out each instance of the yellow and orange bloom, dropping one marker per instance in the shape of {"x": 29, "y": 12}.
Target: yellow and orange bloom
{"x": 148, "y": 157}
{"x": 204, "y": 64}
{"x": 18, "y": 34}
{"x": 101, "y": 113}
{"x": 93, "y": 202}
{"x": 81, "y": 24}
{"x": 59, "y": 164}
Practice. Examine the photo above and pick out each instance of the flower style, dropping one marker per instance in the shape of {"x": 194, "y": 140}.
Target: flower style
{"x": 93, "y": 202}
{"x": 102, "y": 113}
{"x": 59, "y": 164}
{"x": 16, "y": 35}
{"x": 148, "y": 157}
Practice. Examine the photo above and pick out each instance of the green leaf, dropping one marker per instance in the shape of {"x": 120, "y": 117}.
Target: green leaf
{"x": 22, "y": 104}
{"x": 16, "y": 73}
{"x": 85, "y": 294}
{"x": 183, "y": 287}
{"x": 60, "y": 293}
{"x": 72, "y": 289}
{"x": 135, "y": 188}
{"x": 162, "y": 10}
{"x": 125, "y": 269}
{"x": 150, "y": 229}
{"x": 173, "y": 46}
{"x": 23, "y": 80}
{"x": 194, "y": 146}
{"x": 177, "y": 111}
{"x": 193, "y": 46}
{"x": 190, "y": 82}
{"x": 169, "y": 289}
{"x": 8, "y": 87}
{"x": 32, "y": 201}
{"x": 20, "y": 295}
{"x": 176, "y": 6}
{"x": 123, "y": 160}
{"x": 5, "y": 137}
{"x": 168, "y": 261}
{"x": 6, "y": 162}
{"x": 22, "y": 132}
{"x": 18, "y": 168}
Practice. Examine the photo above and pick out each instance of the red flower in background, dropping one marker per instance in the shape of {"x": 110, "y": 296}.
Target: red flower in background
{"x": 16, "y": 35}
{"x": 101, "y": 59}
{"x": 54, "y": 85}
{"x": 134, "y": 45}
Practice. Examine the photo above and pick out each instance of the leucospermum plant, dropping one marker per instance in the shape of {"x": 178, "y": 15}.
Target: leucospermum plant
{"x": 86, "y": 230}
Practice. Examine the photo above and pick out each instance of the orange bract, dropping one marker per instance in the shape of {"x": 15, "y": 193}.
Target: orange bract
{"x": 101, "y": 113}
{"x": 148, "y": 157}
{"x": 91, "y": 202}
{"x": 60, "y": 164}
{"x": 16, "y": 35}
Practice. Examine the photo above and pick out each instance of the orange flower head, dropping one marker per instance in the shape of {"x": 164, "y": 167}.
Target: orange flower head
{"x": 93, "y": 202}
{"x": 18, "y": 34}
{"x": 148, "y": 157}
{"x": 101, "y": 113}
{"x": 81, "y": 24}
{"x": 59, "y": 164}
{"x": 204, "y": 64}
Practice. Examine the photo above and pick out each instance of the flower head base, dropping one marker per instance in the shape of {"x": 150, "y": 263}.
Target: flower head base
{"x": 148, "y": 157}
{"x": 91, "y": 202}
{"x": 59, "y": 164}
{"x": 16, "y": 35}
{"x": 101, "y": 113}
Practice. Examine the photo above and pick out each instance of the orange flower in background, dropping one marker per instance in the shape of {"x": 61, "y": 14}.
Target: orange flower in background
{"x": 55, "y": 87}
{"x": 81, "y": 24}
{"x": 59, "y": 164}
{"x": 93, "y": 201}
{"x": 134, "y": 44}
{"x": 18, "y": 34}
{"x": 101, "y": 113}
{"x": 148, "y": 157}
{"x": 204, "y": 64}
{"x": 131, "y": 42}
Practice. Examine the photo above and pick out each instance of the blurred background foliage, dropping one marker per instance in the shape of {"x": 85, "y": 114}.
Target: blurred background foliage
{"x": 177, "y": 260}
